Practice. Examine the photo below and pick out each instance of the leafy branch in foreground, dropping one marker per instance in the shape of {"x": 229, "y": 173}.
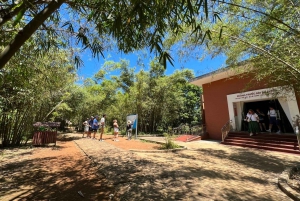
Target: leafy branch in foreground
{"x": 265, "y": 33}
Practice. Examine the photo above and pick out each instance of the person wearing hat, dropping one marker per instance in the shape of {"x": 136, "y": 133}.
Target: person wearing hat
{"x": 129, "y": 129}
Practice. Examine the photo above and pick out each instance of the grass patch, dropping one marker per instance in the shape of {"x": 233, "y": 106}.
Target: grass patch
{"x": 170, "y": 144}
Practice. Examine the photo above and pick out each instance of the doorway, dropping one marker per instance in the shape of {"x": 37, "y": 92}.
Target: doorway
{"x": 263, "y": 106}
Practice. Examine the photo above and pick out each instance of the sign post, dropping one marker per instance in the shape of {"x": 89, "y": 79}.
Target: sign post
{"x": 136, "y": 126}
{"x": 134, "y": 120}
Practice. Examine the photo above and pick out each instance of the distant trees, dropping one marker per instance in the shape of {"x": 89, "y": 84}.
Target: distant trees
{"x": 161, "y": 101}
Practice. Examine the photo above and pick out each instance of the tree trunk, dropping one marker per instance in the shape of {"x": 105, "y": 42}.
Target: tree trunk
{"x": 28, "y": 30}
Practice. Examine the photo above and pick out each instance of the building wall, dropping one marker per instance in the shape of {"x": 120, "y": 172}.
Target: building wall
{"x": 215, "y": 102}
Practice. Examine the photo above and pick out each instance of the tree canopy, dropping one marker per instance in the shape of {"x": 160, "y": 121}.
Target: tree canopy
{"x": 30, "y": 90}
{"x": 161, "y": 101}
{"x": 133, "y": 24}
{"x": 266, "y": 34}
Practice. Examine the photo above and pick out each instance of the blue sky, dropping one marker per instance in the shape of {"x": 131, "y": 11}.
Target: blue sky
{"x": 93, "y": 65}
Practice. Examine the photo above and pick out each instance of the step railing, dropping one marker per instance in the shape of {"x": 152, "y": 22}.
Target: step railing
{"x": 296, "y": 126}
{"x": 225, "y": 130}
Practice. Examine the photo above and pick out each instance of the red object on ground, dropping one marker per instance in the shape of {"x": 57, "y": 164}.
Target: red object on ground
{"x": 184, "y": 138}
{"x": 44, "y": 137}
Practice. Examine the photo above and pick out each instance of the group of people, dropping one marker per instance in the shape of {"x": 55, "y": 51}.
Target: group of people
{"x": 92, "y": 124}
{"x": 256, "y": 121}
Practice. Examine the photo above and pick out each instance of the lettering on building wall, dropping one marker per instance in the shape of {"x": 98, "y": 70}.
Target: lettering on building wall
{"x": 248, "y": 95}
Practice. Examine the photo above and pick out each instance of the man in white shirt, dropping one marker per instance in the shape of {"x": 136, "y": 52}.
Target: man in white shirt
{"x": 273, "y": 120}
{"x": 102, "y": 125}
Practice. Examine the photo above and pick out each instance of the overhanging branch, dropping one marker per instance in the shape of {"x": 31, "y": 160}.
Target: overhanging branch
{"x": 28, "y": 30}
{"x": 261, "y": 50}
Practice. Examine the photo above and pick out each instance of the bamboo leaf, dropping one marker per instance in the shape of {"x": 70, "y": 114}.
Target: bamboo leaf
{"x": 220, "y": 34}
{"x": 206, "y": 8}
{"x": 19, "y": 17}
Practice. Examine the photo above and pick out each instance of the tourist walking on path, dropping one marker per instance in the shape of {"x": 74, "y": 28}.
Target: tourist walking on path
{"x": 116, "y": 130}
{"x": 102, "y": 125}
{"x": 252, "y": 119}
{"x": 129, "y": 130}
{"x": 90, "y": 126}
{"x": 261, "y": 116}
{"x": 273, "y": 118}
{"x": 95, "y": 126}
{"x": 86, "y": 127}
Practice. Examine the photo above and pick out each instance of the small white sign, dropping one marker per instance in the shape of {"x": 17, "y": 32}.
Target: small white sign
{"x": 251, "y": 94}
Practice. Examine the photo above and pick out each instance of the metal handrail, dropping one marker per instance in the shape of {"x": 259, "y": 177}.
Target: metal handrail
{"x": 225, "y": 130}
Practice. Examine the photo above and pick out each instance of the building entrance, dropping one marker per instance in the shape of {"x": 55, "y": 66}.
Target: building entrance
{"x": 263, "y": 106}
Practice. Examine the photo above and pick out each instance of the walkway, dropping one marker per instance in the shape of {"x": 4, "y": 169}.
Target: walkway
{"x": 46, "y": 173}
{"x": 208, "y": 171}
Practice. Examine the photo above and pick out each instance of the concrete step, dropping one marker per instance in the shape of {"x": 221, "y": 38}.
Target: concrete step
{"x": 279, "y": 144}
{"x": 270, "y": 148}
{"x": 254, "y": 138}
{"x": 265, "y": 137}
{"x": 286, "y": 135}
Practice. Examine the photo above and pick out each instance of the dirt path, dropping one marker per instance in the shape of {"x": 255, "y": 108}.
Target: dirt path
{"x": 123, "y": 143}
{"x": 50, "y": 174}
{"x": 206, "y": 172}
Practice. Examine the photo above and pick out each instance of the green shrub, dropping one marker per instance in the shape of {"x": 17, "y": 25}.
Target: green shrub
{"x": 170, "y": 144}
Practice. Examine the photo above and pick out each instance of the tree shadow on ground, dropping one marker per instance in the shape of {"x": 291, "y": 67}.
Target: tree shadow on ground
{"x": 145, "y": 180}
{"x": 67, "y": 137}
{"x": 257, "y": 159}
{"x": 138, "y": 178}
{"x": 38, "y": 180}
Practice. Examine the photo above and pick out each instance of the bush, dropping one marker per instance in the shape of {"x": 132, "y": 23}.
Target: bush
{"x": 170, "y": 144}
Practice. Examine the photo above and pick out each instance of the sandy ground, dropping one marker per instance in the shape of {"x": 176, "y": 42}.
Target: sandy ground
{"x": 123, "y": 143}
{"x": 49, "y": 173}
{"x": 206, "y": 171}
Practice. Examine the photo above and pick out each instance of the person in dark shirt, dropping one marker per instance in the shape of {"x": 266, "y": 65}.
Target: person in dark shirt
{"x": 91, "y": 121}
{"x": 261, "y": 116}
{"x": 95, "y": 127}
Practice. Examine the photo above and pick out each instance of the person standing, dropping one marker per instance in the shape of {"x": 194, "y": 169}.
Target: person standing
{"x": 273, "y": 120}
{"x": 116, "y": 130}
{"x": 90, "y": 127}
{"x": 129, "y": 130}
{"x": 261, "y": 116}
{"x": 102, "y": 124}
{"x": 95, "y": 126}
{"x": 86, "y": 127}
{"x": 252, "y": 119}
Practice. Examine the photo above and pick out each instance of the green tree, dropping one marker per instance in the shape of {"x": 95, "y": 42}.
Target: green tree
{"x": 159, "y": 100}
{"x": 134, "y": 24}
{"x": 264, "y": 33}
{"x": 30, "y": 89}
